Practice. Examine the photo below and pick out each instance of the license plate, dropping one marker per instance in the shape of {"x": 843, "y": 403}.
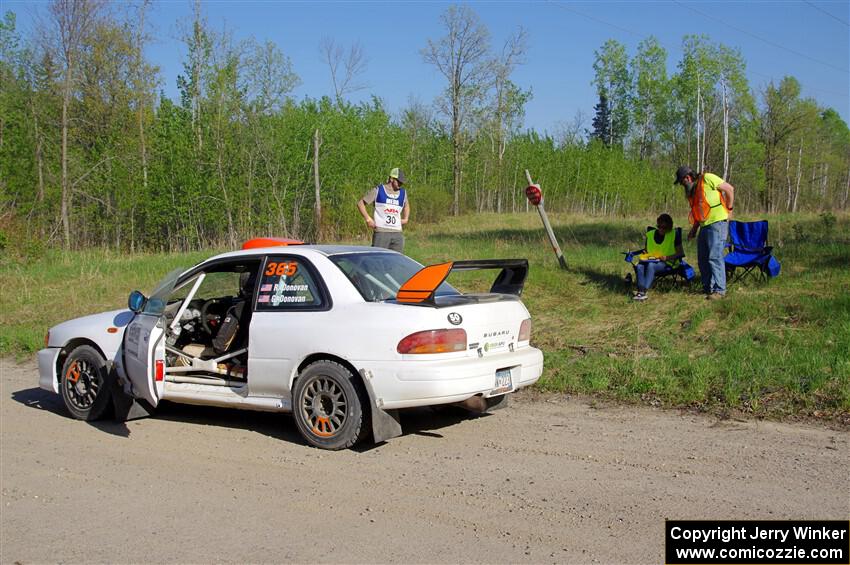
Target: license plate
{"x": 503, "y": 381}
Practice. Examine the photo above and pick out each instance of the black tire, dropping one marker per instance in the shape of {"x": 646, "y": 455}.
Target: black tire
{"x": 328, "y": 404}
{"x": 84, "y": 385}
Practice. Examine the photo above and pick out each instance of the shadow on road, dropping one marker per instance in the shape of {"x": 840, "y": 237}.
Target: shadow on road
{"x": 425, "y": 421}
{"x": 271, "y": 424}
{"x": 41, "y": 399}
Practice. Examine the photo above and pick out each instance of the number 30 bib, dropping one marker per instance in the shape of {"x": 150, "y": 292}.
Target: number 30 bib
{"x": 388, "y": 209}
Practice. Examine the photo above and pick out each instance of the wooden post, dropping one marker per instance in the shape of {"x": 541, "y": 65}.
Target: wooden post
{"x": 552, "y": 239}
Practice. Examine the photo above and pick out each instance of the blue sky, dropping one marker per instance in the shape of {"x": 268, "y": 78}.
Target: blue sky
{"x": 808, "y": 39}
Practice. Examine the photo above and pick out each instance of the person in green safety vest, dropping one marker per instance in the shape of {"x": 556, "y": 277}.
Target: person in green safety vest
{"x": 663, "y": 251}
{"x": 711, "y": 200}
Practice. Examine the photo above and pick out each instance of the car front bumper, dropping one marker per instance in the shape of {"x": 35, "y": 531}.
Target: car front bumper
{"x": 47, "y": 368}
{"x": 409, "y": 383}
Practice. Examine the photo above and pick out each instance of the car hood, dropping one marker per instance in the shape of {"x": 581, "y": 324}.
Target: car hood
{"x": 93, "y": 328}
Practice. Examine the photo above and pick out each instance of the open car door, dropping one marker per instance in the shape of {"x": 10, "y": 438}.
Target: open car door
{"x": 144, "y": 346}
{"x": 143, "y": 351}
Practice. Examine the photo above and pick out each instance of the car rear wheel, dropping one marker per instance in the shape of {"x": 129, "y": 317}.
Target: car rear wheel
{"x": 328, "y": 403}
{"x": 83, "y": 383}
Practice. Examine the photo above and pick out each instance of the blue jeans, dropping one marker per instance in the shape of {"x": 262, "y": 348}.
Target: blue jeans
{"x": 646, "y": 271}
{"x": 712, "y": 268}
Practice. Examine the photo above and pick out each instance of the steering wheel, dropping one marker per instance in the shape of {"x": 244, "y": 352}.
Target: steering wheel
{"x": 211, "y": 315}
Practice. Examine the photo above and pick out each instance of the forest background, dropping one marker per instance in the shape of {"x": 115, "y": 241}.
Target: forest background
{"x": 93, "y": 154}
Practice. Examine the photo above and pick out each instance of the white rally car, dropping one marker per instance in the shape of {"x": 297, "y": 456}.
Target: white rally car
{"x": 341, "y": 336}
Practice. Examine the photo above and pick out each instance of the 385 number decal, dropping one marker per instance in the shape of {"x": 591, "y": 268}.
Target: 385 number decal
{"x": 283, "y": 269}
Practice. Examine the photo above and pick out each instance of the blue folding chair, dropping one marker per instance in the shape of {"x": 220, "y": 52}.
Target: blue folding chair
{"x": 749, "y": 253}
{"x": 682, "y": 274}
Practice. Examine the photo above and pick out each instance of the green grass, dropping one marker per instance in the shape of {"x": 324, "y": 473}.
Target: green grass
{"x": 37, "y": 293}
{"x": 777, "y": 349}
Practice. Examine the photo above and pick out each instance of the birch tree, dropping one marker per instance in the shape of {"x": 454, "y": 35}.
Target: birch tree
{"x": 509, "y": 102}
{"x": 346, "y": 68}
{"x": 463, "y": 57}
{"x": 71, "y": 22}
{"x": 651, "y": 91}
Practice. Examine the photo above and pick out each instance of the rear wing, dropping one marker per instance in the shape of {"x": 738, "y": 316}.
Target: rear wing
{"x": 422, "y": 287}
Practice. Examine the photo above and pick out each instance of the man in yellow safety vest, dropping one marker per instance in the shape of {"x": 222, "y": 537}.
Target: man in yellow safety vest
{"x": 711, "y": 199}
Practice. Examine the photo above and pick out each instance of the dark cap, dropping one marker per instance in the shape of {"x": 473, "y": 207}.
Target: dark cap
{"x": 397, "y": 174}
{"x": 682, "y": 172}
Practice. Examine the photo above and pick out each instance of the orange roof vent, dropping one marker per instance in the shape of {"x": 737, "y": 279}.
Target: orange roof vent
{"x": 270, "y": 242}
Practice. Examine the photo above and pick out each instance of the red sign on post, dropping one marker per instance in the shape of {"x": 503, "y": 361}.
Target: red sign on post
{"x": 535, "y": 196}
{"x": 532, "y": 192}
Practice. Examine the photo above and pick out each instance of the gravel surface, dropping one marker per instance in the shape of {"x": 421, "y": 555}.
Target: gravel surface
{"x": 549, "y": 479}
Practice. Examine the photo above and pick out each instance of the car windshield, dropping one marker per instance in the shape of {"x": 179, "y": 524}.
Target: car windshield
{"x": 378, "y": 276}
{"x": 155, "y": 305}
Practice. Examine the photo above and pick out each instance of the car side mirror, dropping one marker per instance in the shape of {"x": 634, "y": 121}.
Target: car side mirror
{"x": 136, "y": 301}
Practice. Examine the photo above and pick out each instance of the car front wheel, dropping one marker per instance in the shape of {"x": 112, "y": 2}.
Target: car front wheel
{"x": 83, "y": 383}
{"x": 328, "y": 403}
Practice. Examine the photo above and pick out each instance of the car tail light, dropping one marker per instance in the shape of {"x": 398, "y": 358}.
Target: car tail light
{"x": 434, "y": 341}
{"x": 525, "y": 330}
{"x": 47, "y": 339}
{"x": 160, "y": 370}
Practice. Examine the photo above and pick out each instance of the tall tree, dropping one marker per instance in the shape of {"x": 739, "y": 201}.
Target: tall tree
{"x": 602, "y": 121}
{"x": 736, "y": 100}
{"x": 463, "y": 57}
{"x": 417, "y": 123}
{"x": 268, "y": 78}
{"x": 346, "y": 68}
{"x": 697, "y": 99}
{"x": 9, "y": 54}
{"x": 200, "y": 43}
{"x": 835, "y": 151}
{"x": 781, "y": 122}
{"x": 509, "y": 100}
{"x": 72, "y": 21}
{"x": 104, "y": 141}
{"x": 144, "y": 84}
{"x": 612, "y": 81}
{"x": 651, "y": 90}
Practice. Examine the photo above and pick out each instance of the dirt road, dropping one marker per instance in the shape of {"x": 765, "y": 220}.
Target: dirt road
{"x": 546, "y": 480}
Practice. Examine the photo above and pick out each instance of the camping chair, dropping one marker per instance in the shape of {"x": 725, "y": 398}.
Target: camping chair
{"x": 682, "y": 274}
{"x": 749, "y": 253}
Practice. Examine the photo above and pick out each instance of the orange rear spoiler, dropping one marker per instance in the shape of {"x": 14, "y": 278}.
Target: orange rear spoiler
{"x": 269, "y": 242}
{"x": 421, "y": 288}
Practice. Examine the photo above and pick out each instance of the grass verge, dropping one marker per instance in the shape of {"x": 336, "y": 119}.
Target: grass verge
{"x": 780, "y": 349}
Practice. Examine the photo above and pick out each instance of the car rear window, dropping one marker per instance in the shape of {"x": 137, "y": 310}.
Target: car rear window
{"x": 378, "y": 276}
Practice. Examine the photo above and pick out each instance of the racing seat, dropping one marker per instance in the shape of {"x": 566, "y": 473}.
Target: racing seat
{"x": 234, "y": 328}
{"x": 681, "y": 274}
{"x": 749, "y": 253}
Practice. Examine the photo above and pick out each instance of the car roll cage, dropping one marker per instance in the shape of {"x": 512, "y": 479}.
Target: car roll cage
{"x": 202, "y": 365}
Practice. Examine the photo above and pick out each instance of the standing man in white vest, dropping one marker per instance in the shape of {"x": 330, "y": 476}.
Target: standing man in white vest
{"x": 392, "y": 210}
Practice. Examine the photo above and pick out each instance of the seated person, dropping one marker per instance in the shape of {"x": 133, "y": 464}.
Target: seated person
{"x": 664, "y": 251}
